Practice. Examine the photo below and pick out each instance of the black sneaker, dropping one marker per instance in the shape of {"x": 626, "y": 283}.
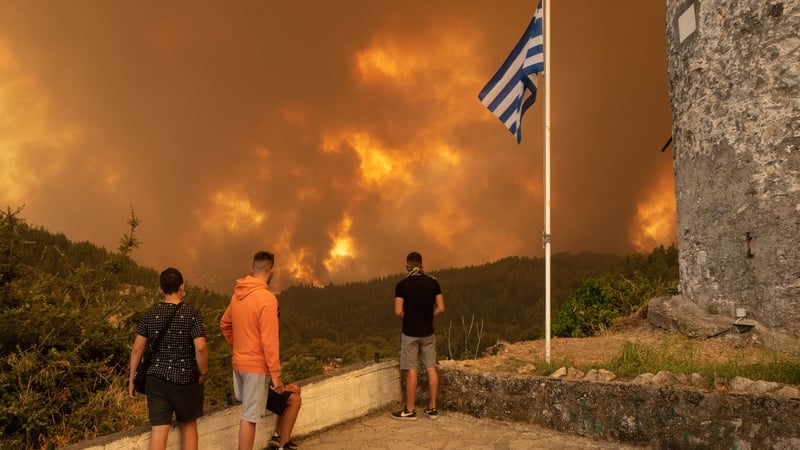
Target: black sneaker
{"x": 433, "y": 413}
{"x": 275, "y": 442}
{"x": 405, "y": 415}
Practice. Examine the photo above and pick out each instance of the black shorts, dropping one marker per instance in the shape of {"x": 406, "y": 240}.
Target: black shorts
{"x": 164, "y": 398}
{"x": 276, "y": 403}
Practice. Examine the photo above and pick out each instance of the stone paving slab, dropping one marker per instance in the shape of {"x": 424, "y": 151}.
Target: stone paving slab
{"x": 449, "y": 432}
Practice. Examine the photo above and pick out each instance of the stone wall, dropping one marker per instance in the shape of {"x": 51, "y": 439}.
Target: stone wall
{"x": 734, "y": 72}
{"x": 659, "y": 416}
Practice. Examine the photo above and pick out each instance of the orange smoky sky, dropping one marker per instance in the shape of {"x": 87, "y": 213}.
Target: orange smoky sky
{"x": 340, "y": 135}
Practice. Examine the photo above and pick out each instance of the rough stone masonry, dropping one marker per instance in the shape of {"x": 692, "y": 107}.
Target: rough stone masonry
{"x": 734, "y": 73}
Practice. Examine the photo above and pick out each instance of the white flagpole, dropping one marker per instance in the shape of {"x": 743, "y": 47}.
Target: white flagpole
{"x": 546, "y": 236}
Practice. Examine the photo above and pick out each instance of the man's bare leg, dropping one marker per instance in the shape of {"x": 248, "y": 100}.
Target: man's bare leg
{"x": 411, "y": 390}
{"x": 188, "y": 435}
{"x": 433, "y": 386}
{"x": 158, "y": 437}
{"x": 247, "y": 435}
{"x": 287, "y": 420}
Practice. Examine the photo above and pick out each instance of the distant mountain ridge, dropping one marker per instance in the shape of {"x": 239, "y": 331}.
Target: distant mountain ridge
{"x": 507, "y": 295}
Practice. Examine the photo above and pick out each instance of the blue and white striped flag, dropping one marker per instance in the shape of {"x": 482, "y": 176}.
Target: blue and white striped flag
{"x": 512, "y": 90}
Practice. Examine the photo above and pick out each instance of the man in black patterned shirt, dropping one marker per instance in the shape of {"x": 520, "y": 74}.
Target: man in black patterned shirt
{"x": 179, "y": 363}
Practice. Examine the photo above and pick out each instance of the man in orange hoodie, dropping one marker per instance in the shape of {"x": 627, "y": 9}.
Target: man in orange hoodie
{"x": 250, "y": 325}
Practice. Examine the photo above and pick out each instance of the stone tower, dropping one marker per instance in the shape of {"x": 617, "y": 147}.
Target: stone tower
{"x": 734, "y": 73}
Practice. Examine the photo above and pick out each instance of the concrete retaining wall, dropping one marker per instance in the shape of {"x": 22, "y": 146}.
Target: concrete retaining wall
{"x": 327, "y": 402}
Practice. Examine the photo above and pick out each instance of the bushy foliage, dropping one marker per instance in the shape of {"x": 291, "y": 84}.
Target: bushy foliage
{"x": 599, "y": 301}
{"x": 68, "y": 323}
{"x": 11, "y": 242}
{"x": 63, "y": 344}
{"x": 299, "y": 368}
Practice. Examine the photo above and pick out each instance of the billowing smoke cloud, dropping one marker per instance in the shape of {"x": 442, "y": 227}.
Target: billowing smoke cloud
{"x": 340, "y": 135}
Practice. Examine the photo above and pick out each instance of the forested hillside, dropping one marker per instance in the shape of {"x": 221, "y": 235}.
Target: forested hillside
{"x": 502, "y": 300}
{"x": 69, "y": 312}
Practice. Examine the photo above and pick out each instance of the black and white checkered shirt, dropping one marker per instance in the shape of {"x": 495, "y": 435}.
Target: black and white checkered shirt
{"x": 174, "y": 359}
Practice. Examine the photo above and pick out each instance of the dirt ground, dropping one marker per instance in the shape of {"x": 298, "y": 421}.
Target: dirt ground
{"x": 741, "y": 347}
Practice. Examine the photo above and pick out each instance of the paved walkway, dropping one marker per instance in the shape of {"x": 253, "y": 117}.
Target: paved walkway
{"x": 451, "y": 431}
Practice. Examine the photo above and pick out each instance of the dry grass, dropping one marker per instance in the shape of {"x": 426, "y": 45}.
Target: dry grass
{"x": 634, "y": 346}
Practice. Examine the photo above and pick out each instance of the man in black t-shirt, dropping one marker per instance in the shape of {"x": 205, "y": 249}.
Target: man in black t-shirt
{"x": 418, "y": 298}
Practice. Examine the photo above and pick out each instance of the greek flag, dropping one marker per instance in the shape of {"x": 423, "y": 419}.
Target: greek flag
{"x": 512, "y": 90}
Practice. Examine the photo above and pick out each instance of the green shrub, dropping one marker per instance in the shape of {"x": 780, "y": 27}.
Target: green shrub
{"x": 599, "y": 302}
{"x": 301, "y": 367}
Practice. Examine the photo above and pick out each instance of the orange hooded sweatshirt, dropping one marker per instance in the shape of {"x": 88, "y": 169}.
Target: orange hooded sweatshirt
{"x": 250, "y": 325}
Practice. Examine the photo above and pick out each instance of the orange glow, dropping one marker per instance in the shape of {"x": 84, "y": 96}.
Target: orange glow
{"x": 414, "y": 60}
{"x": 262, "y": 153}
{"x": 378, "y": 166}
{"x": 376, "y": 62}
{"x": 448, "y": 155}
{"x": 445, "y": 225}
{"x": 299, "y": 267}
{"x": 306, "y": 193}
{"x": 7, "y": 60}
{"x": 334, "y": 157}
{"x": 412, "y": 68}
{"x": 293, "y": 263}
{"x": 655, "y": 220}
{"x": 169, "y": 38}
{"x": 343, "y": 247}
{"x": 532, "y": 185}
{"x": 110, "y": 176}
{"x": 296, "y": 116}
{"x": 232, "y": 213}
{"x": 25, "y": 109}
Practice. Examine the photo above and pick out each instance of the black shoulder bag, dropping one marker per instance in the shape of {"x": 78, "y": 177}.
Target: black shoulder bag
{"x": 140, "y": 377}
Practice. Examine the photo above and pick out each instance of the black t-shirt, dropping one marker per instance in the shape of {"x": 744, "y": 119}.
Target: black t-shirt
{"x": 419, "y": 298}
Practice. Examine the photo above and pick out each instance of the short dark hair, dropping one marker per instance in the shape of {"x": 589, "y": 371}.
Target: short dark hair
{"x": 414, "y": 259}
{"x": 171, "y": 280}
{"x": 263, "y": 260}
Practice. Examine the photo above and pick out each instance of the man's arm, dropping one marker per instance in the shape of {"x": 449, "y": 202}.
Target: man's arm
{"x": 136, "y": 356}
{"x": 438, "y": 307}
{"x": 398, "y": 307}
{"x": 226, "y": 326}
{"x": 201, "y": 355}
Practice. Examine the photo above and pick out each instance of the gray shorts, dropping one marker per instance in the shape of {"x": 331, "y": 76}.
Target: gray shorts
{"x": 414, "y": 350}
{"x": 251, "y": 389}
